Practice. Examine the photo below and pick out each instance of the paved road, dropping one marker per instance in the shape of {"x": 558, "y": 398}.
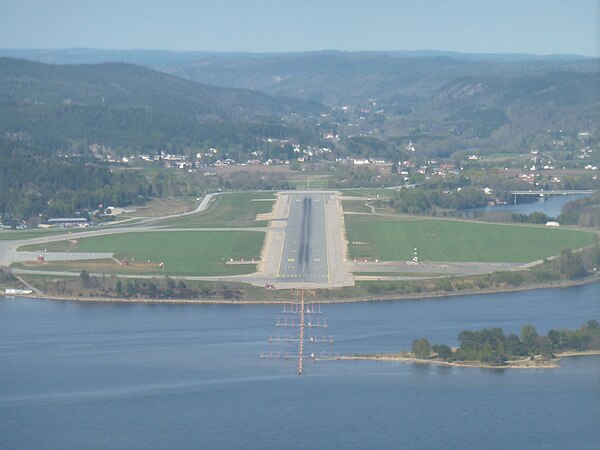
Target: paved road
{"x": 304, "y": 255}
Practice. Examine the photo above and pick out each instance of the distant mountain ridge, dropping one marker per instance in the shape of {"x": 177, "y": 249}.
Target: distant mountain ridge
{"x": 121, "y": 85}
{"x": 393, "y": 79}
{"x": 453, "y": 98}
{"x": 569, "y": 100}
{"x": 152, "y": 57}
{"x": 125, "y": 106}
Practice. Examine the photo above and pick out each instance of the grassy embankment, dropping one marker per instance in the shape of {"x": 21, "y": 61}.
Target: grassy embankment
{"x": 456, "y": 241}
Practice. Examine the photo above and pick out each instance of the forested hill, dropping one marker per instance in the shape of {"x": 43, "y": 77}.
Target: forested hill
{"x": 335, "y": 78}
{"x": 481, "y": 106}
{"x": 119, "y": 85}
{"x": 31, "y": 183}
{"x": 357, "y": 78}
{"x": 128, "y": 107}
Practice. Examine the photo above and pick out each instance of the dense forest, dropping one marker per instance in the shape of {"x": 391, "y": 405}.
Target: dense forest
{"x": 122, "y": 86}
{"x": 132, "y": 108}
{"x": 427, "y": 201}
{"x": 31, "y": 183}
{"x": 584, "y": 212}
{"x": 75, "y": 127}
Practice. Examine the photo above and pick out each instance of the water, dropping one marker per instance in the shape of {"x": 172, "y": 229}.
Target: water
{"x": 551, "y": 206}
{"x": 92, "y": 375}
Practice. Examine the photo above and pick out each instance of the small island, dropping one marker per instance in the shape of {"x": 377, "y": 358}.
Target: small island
{"x": 491, "y": 348}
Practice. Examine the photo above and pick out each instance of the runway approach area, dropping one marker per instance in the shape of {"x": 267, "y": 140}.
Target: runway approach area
{"x": 304, "y": 256}
{"x": 305, "y": 245}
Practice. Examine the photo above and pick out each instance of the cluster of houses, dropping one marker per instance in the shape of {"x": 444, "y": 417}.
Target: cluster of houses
{"x": 211, "y": 158}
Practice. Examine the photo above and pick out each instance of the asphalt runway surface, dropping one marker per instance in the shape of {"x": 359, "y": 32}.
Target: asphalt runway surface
{"x": 304, "y": 255}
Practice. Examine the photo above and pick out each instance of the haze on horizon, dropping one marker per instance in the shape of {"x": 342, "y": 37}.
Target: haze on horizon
{"x": 537, "y": 26}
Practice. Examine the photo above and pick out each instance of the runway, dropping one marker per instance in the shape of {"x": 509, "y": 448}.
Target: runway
{"x": 304, "y": 254}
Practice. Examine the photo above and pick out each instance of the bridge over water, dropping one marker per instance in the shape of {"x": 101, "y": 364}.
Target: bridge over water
{"x": 547, "y": 193}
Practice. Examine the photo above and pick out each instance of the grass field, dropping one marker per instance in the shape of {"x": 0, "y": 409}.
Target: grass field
{"x": 229, "y": 210}
{"x": 368, "y": 192}
{"x": 56, "y": 246}
{"x": 459, "y": 241}
{"x": 164, "y": 207}
{"x": 310, "y": 183}
{"x": 358, "y": 206}
{"x": 183, "y": 253}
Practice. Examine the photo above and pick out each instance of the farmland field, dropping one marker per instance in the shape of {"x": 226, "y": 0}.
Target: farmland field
{"x": 229, "y": 210}
{"x": 460, "y": 241}
{"x": 182, "y": 253}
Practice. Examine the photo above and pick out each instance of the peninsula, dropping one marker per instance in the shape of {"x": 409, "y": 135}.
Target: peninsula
{"x": 491, "y": 349}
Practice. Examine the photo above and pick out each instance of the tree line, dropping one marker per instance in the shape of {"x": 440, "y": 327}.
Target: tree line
{"x": 584, "y": 212}
{"x": 425, "y": 201}
{"x": 492, "y": 346}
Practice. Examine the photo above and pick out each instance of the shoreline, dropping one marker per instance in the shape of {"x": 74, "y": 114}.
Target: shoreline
{"x": 526, "y": 363}
{"x": 331, "y": 300}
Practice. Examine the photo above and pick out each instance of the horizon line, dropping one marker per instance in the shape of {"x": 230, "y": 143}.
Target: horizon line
{"x": 324, "y": 50}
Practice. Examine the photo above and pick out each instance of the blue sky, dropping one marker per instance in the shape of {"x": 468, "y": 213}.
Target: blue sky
{"x": 474, "y": 26}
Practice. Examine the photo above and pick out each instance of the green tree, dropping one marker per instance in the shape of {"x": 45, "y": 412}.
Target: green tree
{"x": 421, "y": 348}
{"x": 443, "y": 351}
{"x": 153, "y": 290}
{"x": 130, "y": 289}
{"x": 84, "y": 278}
{"x": 569, "y": 265}
{"x": 528, "y": 337}
{"x": 514, "y": 346}
{"x": 170, "y": 283}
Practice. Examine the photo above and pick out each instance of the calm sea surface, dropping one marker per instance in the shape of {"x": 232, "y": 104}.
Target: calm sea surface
{"x": 92, "y": 375}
